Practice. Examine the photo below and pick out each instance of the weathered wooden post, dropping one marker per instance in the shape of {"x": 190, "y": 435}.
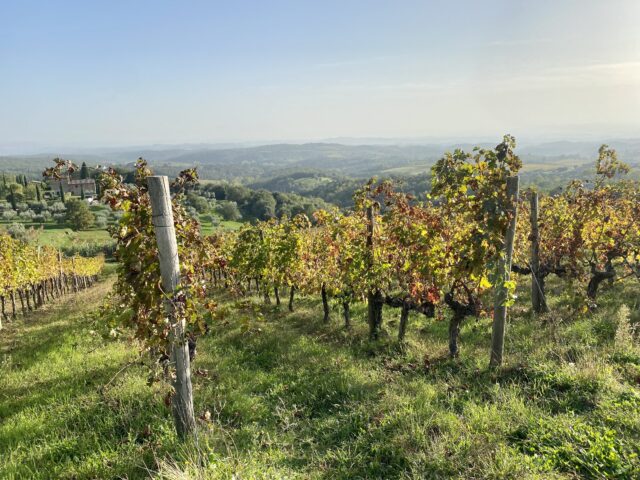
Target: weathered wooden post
{"x": 182, "y": 404}
{"x": 61, "y": 278}
{"x": 503, "y": 275}
{"x": 38, "y": 288}
{"x": 75, "y": 275}
{"x": 538, "y": 300}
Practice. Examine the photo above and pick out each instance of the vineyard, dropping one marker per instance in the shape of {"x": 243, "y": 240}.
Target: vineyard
{"x": 454, "y": 251}
{"x": 324, "y": 337}
{"x": 35, "y": 275}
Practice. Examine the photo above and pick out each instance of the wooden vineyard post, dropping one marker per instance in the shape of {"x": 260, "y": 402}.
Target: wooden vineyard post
{"x": 538, "y": 301}
{"x": 503, "y": 275}
{"x": 38, "y": 286}
{"x": 162, "y": 214}
{"x": 61, "y": 282}
{"x": 74, "y": 276}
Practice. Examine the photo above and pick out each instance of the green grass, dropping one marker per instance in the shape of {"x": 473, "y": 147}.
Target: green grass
{"x": 290, "y": 397}
{"x": 61, "y": 236}
{"x": 65, "y": 237}
{"x": 208, "y": 228}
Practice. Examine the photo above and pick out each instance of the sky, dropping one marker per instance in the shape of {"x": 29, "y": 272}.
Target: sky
{"x": 114, "y": 73}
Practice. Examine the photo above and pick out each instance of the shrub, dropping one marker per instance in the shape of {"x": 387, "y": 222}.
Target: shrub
{"x": 199, "y": 203}
{"x": 229, "y": 211}
{"x": 101, "y": 221}
{"x": 38, "y": 207}
{"x": 90, "y": 249}
{"x": 57, "y": 207}
{"x": 19, "y": 232}
{"x": 78, "y": 215}
{"x": 27, "y": 215}
{"x": 9, "y": 214}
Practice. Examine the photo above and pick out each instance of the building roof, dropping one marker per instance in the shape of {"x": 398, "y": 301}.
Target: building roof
{"x": 81, "y": 181}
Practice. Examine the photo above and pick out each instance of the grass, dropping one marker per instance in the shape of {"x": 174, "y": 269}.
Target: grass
{"x": 282, "y": 395}
{"x": 61, "y": 236}
{"x": 208, "y": 228}
{"x": 65, "y": 237}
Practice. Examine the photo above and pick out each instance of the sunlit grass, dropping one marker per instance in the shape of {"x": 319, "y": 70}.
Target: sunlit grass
{"x": 282, "y": 395}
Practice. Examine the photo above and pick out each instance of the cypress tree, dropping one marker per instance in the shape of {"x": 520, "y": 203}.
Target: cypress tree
{"x": 61, "y": 192}
{"x": 38, "y": 196}
{"x": 12, "y": 199}
{"x": 81, "y": 192}
{"x": 84, "y": 171}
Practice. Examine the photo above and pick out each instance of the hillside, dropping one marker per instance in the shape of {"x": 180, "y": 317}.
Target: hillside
{"x": 253, "y": 163}
{"x": 282, "y": 395}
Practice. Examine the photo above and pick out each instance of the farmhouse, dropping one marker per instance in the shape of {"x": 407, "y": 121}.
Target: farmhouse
{"x": 75, "y": 187}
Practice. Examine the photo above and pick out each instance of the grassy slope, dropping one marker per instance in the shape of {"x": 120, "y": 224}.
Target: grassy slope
{"x": 292, "y": 398}
{"x": 208, "y": 228}
{"x": 64, "y": 237}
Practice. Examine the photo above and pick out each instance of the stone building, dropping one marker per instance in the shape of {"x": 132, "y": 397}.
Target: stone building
{"x": 75, "y": 187}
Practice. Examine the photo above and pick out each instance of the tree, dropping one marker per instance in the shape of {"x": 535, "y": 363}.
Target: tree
{"x": 78, "y": 215}
{"x": 61, "y": 192}
{"x": 235, "y": 193}
{"x": 15, "y": 194}
{"x": 229, "y": 211}
{"x": 38, "y": 195}
{"x": 84, "y": 171}
{"x": 263, "y": 205}
{"x": 199, "y": 203}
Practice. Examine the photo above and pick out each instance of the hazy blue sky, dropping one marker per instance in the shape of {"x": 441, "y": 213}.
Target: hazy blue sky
{"x": 132, "y": 72}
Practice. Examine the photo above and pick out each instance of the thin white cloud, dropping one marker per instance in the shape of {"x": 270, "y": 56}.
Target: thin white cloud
{"x": 515, "y": 42}
{"x": 575, "y": 76}
{"x": 357, "y": 61}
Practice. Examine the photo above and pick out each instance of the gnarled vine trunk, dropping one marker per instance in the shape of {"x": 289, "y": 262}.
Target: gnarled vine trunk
{"x": 292, "y": 291}
{"x": 375, "y": 302}
{"x": 597, "y": 277}
{"x": 325, "y": 303}
{"x": 346, "y": 312}
{"x": 276, "y": 293}
{"x": 459, "y": 312}
{"x": 404, "y": 320}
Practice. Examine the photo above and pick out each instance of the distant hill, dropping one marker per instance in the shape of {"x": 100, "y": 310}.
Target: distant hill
{"x": 251, "y": 164}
